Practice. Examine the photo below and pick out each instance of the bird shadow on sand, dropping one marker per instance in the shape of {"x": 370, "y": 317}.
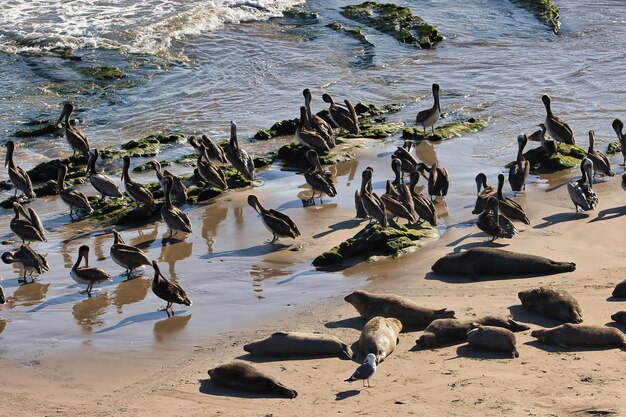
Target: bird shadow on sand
{"x": 560, "y": 218}
{"x": 488, "y": 243}
{"x": 355, "y": 323}
{"x": 519, "y": 313}
{"x": 340, "y": 396}
{"x": 251, "y": 252}
{"x": 208, "y": 387}
{"x": 344, "y": 225}
{"x": 610, "y": 214}
{"x": 467, "y": 352}
{"x": 137, "y": 318}
{"x": 63, "y": 299}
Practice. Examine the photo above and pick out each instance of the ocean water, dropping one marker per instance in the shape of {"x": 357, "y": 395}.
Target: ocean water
{"x": 192, "y": 66}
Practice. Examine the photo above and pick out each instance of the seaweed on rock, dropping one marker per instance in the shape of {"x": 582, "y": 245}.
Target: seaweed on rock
{"x": 447, "y": 131}
{"x": 541, "y": 162}
{"x": 545, "y": 10}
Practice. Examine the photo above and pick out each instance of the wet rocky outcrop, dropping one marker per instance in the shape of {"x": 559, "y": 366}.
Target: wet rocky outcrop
{"x": 545, "y": 10}
{"x": 447, "y": 131}
{"x": 541, "y": 162}
{"x": 614, "y": 148}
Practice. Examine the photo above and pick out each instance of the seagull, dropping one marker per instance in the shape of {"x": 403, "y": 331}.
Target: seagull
{"x": 365, "y": 371}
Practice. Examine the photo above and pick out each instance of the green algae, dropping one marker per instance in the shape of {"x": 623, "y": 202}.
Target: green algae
{"x": 39, "y": 128}
{"x": 293, "y": 156}
{"x": 146, "y": 147}
{"x": 375, "y": 130}
{"x": 65, "y": 53}
{"x": 545, "y": 10}
{"x": 355, "y": 33}
{"x": 447, "y": 131}
{"x": 261, "y": 162}
{"x": 395, "y": 20}
{"x": 280, "y": 128}
{"x": 614, "y": 148}
{"x": 374, "y": 240}
{"x": 102, "y": 73}
{"x": 541, "y": 162}
{"x": 147, "y": 166}
{"x": 299, "y": 14}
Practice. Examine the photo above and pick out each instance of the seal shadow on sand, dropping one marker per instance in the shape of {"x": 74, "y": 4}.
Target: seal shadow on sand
{"x": 519, "y": 313}
{"x": 208, "y": 387}
{"x": 263, "y": 359}
{"x": 356, "y": 323}
{"x": 461, "y": 279}
{"x": 467, "y": 352}
{"x": 554, "y": 348}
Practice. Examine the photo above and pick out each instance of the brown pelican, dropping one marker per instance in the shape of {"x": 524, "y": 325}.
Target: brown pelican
{"x": 549, "y": 145}
{"x": 518, "y": 173}
{"x": 557, "y": 128}
{"x": 168, "y": 291}
{"x": 127, "y": 256}
{"x": 102, "y": 183}
{"x": 581, "y": 191}
{"x": 210, "y": 172}
{"x": 85, "y": 274}
{"x": 215, "y": 152}
{"x": 423, "y": 206}
{"x": 278, "y": 224}
{"x": 438, "y": 179}
{"x": 239, "y": 158}
{"x": 601, "y": 163}
{"x": 2, "y": 297}
{"x": 308, "y": 136}
{"x": 174, "y": 218}
{"x": 317, "y": 178}
{"x": 409, "y": 162}
{"x": 482, "y": 196}
{"x": 617, "y": 127}
{"x": 179, "y": 191}
{"x": 28, "y": 229}
{"x": 372, "y": 204}
{"x": 137, "y": 192}
{"x": 510, "y": 208}
{"x": 495, "y": 224}
{"x": 73, "y": 198}
{"x": 77, "y": 139}
{"x": 19, "y": 177}
{"x": 28, "y": 260}
{"x": 428, "y": 117}
{"x": 394, "y": 205}
{"x": 343, "y": 118}
{"x": 316, "y": 123}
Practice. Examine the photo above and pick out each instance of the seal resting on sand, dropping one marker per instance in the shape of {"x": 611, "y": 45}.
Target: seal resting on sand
{"x": 553, "y": 303}
{"x": 380, "y": 337}
{"x": 299, "y": 344}
{"x": 239, "y": 375}
{"x": 492, "y": 338}
{"x": 620, "y": 289}
{"x": 389, "y": 305}
{"x": 619, "y": 317}
{"x": 568, "y": 335}
{"x": 477, "y": 262}
{"x": 443, "y": 332}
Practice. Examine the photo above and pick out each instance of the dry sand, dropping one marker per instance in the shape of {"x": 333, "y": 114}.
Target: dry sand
{"x": 543, "y": 381}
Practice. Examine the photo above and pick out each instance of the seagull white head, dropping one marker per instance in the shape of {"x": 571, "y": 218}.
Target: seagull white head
{"x": 370, "y": 359}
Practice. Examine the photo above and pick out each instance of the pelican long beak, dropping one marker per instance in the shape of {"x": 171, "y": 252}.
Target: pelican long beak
{"x": 61, "y": 117}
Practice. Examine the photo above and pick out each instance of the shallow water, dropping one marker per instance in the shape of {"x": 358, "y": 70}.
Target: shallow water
{"x": 495, "y": 63}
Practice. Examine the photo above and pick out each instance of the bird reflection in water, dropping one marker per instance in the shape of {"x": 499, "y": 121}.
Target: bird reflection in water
{"x": 129, "y": 292}
{"x": 163, "y": 329}
{"x": 145, "y": 237}
{"x": 213, "y": 215}
{"x": 173, "y": 253}
{"x": 88, "y": 311}
{"x": 260, "y": 273}
{"x": 27, "y": 295}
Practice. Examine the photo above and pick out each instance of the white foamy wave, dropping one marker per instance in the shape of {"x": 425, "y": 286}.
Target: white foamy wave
{"x": 148, "y": 26}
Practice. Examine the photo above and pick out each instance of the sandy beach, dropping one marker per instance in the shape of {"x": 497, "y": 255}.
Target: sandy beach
{"x": 544, "y": 381}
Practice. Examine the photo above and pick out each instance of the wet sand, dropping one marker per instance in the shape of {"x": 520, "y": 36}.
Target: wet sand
{"x": 166, "y": 379}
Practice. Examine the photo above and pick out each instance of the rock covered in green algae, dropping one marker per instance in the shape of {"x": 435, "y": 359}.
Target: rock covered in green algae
{"x": 39, "y": 128}
{"x": 102, "y": 73}
{"x": 356, "y": 33}
{"x": 545, "y": 10}
{"x": 614, "y": 148}
{"x": 299, "y": 14}
{"x": 280, "y": 128}
{"x": 148, "y": 146}
{"x": 293, "y": 156}
{"x": 375, "y": 130}
{"x": 374, "y": 240}
{"x": 541, "y": 163}
{"x": 447, "y": 131}
{"x": 394, "y": 20}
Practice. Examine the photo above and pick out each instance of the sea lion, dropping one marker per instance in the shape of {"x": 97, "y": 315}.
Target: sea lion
{"x": 498, "y": 339}
{"x": 567, "y": 335}
{"x": 553, "y": 303}
{"x": 477, "y": 262}
{"x": 619, "y": 317}
{"x": 240, "y": 375}
{"x": 443, "y": 332}
{"x": 389, "y": 305}
{"x": 299, "y": 344}
{"x": 620, "y": 289}
{"x": 380, "y": 337}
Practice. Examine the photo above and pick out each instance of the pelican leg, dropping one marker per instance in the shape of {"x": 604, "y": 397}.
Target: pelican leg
{"x": 274, "y": 240}
{"x": 89, "y": 290}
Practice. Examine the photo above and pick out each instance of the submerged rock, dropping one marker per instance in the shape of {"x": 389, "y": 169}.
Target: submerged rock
{"x": 39, "y": 128}
{"x": 102, "y": 73}
{"x": 395, "y": 20}
{"x": 355, "y": 33}
{"x": 614, "y": 148}
{"x": 447, "y": 131}
{"x": 568, "y": 157}
{"x": 299, "y": 14}
{"x": 545, "y": 10}
{"x": 374, "y": 240}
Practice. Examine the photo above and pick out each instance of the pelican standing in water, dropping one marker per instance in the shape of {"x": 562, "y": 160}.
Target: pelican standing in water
{"x": 238, "y": 157}
{"x": 556, "y": 127}
{"x": 510, "y": 208}
{"x": 19, "y": 177}
{"x": 175, "y": 219}
{"x": 428, "y": 118}
{"x": 28, "y": 260}
{"x": 423, "y": 206}
{"x": 85, "y": 274}
{"x": 179, "y": 191}
{"x": 316, "y": 123}
{"x": 438, "y": 179}
{"x": 495, "y": 224}
{"x": 137, "y": 192}
{"x": 482, "y": 196}
{"x": 278, "y": 224}
{"x": 581, "y": 191}
{"x": 210, "y": 172}
{"x": 601, "y": 163}
{"x": 319, "y": 180}
{"x": 518, "y": 173}
{"x": 77, "y": 139}
{"x": 29, "y": 229}
{"x": 102, "y": 183}
{"x": 127, "y": 256}
{"x": 346, "y": 119}
{"x": 168, "y": 291}
{"x": 309, "y": 137}
{"x": 548, "y": 145}
{"x": 617, "y": 127}
{"x": 73, "y": 198}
